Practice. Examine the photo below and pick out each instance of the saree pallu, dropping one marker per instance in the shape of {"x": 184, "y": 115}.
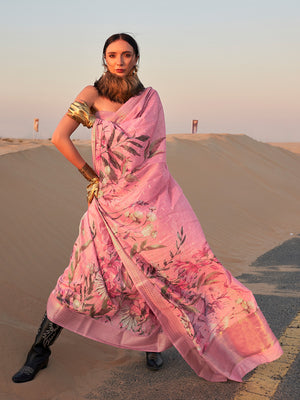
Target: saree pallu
{"x": 142, "y": 275}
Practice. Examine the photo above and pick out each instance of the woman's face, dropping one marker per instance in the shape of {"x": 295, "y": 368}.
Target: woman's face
{"x": 120, "y": 58}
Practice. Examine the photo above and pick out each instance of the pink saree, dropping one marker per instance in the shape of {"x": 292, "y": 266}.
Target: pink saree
{"x": 141, "y": 275}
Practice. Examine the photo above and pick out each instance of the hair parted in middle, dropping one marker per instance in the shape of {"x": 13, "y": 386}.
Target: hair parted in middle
{"x": 121, "y": 36}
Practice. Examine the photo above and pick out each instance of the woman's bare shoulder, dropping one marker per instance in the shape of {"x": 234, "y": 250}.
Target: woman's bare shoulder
{"x": 88, "y": 94}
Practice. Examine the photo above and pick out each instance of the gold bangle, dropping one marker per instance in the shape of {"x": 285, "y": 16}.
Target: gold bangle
{"x": 88, "y": 172}
{"x": 92, "y": 189}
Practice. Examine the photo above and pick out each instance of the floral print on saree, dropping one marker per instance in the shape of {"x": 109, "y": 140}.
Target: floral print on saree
{"x": 141, "y": 274}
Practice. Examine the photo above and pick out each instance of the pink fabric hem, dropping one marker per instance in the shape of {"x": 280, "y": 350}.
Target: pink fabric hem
{"x": 233, "y": 354}
{"x": 157, "y": 342}
{"x": 251, "y": 362}
{"x": 104, "y": 333}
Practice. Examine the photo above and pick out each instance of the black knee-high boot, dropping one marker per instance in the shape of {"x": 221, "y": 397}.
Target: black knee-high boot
{"x": 39, "y": 353}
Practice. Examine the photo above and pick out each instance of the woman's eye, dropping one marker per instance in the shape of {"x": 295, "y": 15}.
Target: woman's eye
{"x": 111, "y": 56}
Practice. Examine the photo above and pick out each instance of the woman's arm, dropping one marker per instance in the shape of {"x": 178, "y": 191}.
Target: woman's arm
{"x": 65, "y": 128}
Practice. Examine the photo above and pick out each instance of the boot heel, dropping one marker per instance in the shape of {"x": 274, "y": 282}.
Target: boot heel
{"x": 45, "y": 365}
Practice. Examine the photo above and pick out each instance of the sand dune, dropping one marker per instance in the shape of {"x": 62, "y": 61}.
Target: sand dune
{"x": 245, "y": 193}
{"x": 294, "y": 147}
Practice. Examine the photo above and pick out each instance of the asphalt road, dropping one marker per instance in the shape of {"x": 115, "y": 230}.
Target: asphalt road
{"x": 276, "y": 273}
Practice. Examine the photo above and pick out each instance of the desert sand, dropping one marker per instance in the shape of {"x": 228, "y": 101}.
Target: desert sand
{"x": 245, "y": 193}
{"x": 291, "y": 146}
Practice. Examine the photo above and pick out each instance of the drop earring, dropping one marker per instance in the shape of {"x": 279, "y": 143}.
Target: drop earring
{"x": 134, "y": 70}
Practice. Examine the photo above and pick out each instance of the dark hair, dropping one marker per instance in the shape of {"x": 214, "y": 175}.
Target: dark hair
{"x": 121, "y": 36}
{"x": 115, "y": 88}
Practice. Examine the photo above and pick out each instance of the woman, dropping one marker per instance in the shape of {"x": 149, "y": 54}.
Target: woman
{"x": 141, "y": 275}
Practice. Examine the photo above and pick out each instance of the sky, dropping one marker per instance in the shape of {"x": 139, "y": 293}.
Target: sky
{"x": 233, "y": 65}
